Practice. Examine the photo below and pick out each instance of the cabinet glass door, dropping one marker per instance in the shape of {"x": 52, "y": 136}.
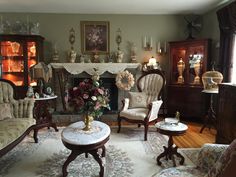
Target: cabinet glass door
{"x": 31, "y": 50}
{"x": 178, "y": 65}
{"x": 12, "y": 62}
{"x": 195, "y": 60}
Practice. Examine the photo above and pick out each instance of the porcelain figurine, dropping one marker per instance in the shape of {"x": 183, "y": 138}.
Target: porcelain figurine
{"x": 30, "y": 92}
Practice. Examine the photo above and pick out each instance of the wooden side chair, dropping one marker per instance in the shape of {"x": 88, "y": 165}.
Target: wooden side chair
{"x": 143, "y": 107}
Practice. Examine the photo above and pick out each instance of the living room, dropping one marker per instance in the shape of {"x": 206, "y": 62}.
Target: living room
{"x": 56, "y": 54}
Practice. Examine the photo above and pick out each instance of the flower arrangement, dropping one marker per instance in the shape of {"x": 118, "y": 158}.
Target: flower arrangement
{"x": 124, "y": 80}
{"x": 89, "y": 97}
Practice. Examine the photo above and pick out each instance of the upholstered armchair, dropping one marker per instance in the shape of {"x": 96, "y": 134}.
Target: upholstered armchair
{"x": 143, "y": 107}
{"x": 16, "y": 117}
{"x": 214, "y": 160}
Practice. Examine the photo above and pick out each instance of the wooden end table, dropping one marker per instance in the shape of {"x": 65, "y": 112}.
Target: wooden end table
{"x": 42, "y": 115}
{"x": 170, "y": 130}
{"x": 80, "y": 141}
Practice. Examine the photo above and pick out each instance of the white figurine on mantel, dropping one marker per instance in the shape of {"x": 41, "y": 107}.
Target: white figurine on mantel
{"x": 133, "y": 53}
{"x": 82, "y": 58}
{"x": 119, "y": 56}
{"x": 87, "y": 60}
{"x": 72, "y": 56}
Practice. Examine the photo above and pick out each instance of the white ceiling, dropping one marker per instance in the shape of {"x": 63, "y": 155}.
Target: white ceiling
{"x": 111, "y": 6}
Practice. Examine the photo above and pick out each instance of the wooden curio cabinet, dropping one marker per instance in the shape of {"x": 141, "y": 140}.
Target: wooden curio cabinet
{"x": 18, "y": 54}
{"x": 188, "y": 61}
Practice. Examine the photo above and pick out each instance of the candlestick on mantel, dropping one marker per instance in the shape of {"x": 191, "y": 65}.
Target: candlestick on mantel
{"x": 144, "y": 42}
{"x": 151, "y": 42}
{"x": 165, "y": 47}
{"x": 158, "y": 46}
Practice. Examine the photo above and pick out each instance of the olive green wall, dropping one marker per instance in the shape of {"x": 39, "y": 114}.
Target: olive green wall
{"x": 55, "y": 28}
{"x": 211, "y": 30}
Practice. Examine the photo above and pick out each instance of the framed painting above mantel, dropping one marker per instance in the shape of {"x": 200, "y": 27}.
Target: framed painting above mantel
{"x": 95, "y": 37}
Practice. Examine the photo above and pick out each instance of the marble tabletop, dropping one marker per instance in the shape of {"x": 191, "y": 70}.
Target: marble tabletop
{"x": 74, "y": 133}
{"x": 171, "y": 127}
{"x": 45, "y": 98}
{"x": 210, "y": 91}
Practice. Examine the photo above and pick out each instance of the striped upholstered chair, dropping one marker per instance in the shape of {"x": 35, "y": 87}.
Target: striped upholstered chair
{"x": 143, "y": 107}
{"x": 16, "y": 117}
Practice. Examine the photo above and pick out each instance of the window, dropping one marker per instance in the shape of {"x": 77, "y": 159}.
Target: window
{"x": 234, "y": 62}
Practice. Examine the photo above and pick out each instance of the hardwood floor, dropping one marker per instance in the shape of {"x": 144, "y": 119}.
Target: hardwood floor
{"x": 193, "y": 138}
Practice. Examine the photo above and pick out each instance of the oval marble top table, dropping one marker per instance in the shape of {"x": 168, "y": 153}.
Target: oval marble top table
{"x": 171, "y": 127}
{"x": 74, "y": 133}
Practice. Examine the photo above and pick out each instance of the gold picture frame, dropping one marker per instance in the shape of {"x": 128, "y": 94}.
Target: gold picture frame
{"x": 95, "y": 37}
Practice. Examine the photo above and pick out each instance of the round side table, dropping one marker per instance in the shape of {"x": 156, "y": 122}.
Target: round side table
{"x": 80, "y": 141}
{"x": 42, "y": 115}
{"x": 170, "y": 130}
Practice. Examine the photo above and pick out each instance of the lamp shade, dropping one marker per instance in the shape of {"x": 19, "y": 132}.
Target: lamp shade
{"x": 152, "y": 61}
{"x": 41, "y": 70}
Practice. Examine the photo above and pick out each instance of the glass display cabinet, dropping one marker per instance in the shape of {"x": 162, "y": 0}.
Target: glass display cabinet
{"x": 188, "y": 61}
{"x": 18, "y": 54}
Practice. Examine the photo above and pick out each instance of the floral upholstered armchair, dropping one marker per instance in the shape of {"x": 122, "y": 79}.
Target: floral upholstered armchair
{"x": 16, "y": 117}
{"x": 214, "y": 160}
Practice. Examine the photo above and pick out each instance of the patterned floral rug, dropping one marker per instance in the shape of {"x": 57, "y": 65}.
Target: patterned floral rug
{"x": 127, "y": 155}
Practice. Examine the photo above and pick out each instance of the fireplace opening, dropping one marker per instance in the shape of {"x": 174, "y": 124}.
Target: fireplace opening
{"x": 108, "y": 83}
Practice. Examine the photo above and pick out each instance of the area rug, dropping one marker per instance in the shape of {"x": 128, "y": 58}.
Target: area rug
{"x": 127, "y": 156}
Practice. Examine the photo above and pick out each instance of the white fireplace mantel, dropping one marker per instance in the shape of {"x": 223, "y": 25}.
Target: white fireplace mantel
{"x": 77, "y": 68}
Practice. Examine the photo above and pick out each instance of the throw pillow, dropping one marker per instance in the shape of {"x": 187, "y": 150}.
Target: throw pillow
{"x": 137, "y": 100}
{"x": 5, "y": 111}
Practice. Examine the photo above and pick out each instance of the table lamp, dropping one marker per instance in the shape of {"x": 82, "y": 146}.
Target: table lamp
{"x": 152, "y": 64}
{"x": 42, "y": 73}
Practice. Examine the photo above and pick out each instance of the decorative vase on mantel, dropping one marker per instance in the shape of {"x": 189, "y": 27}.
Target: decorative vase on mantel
{"x": 180, "y": 67}
{"x": 88, "y": 119}
{"x": 119, "y": 56}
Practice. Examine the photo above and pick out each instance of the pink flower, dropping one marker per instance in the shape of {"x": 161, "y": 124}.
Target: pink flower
{"x": 100, "y": 91}
{"x": 97, "y": 106}
{"x": 75, "y": 88}
{"x": 85, "y": 96}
